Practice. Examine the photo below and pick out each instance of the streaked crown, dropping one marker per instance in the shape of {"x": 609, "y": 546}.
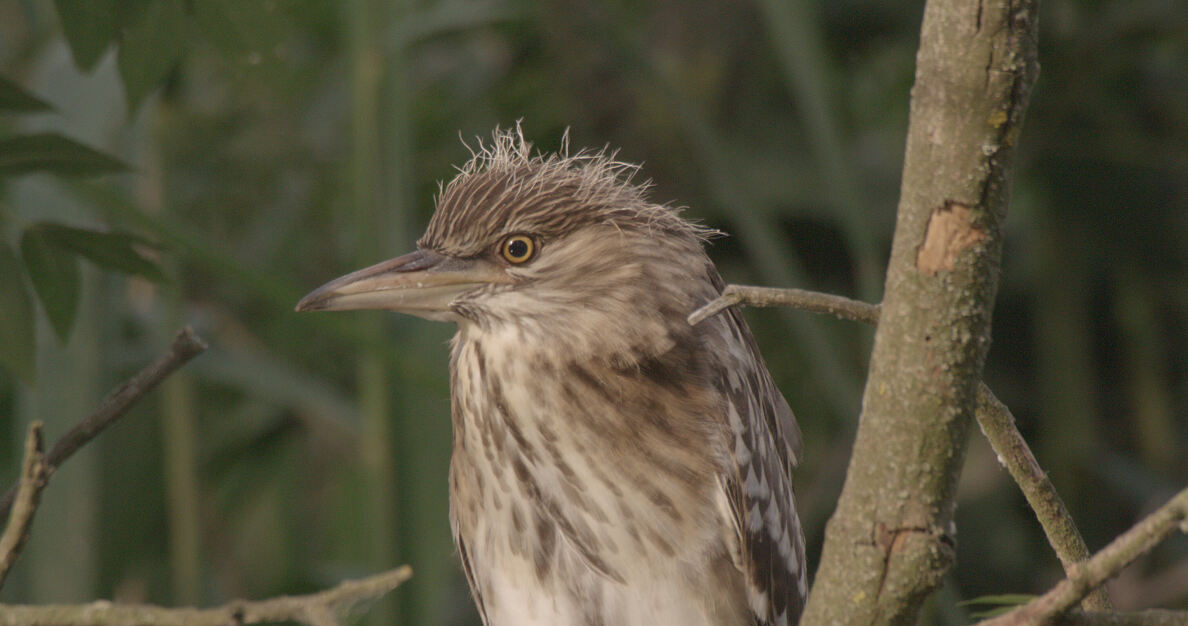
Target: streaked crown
{"x": 504, "y": 189}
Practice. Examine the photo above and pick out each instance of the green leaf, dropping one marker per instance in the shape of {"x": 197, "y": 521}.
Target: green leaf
{"x": 51, "y": 152}
{"x": 152, "y": 45}
{"x": 119, "y": 251}
{"x": 90, "y": 27}
{"x": 15, "y": 98}
{"x": 17, "y": 333}
{"x": 55, "y": 276}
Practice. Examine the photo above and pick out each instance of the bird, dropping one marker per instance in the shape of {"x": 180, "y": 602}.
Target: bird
{"x": 611, "y": 463}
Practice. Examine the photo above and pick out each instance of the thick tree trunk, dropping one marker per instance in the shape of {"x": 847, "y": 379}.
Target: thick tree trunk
{"x": 891, "y": 538}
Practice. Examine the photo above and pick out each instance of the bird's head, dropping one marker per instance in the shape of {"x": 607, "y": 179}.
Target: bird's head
{"x": 553, "y": 246}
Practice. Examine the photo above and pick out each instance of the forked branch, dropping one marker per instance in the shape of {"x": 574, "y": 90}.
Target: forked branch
{"x": 186, "y": 345}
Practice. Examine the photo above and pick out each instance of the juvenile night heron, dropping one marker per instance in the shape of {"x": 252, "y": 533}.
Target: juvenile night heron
{"x": 612, "y": 464}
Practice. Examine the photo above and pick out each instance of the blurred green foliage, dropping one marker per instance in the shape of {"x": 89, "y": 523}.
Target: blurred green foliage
{"x": 50, "y": 250}
{"x": 276, "y": 144}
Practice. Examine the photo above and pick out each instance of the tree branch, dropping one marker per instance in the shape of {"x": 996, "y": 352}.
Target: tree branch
{"x": 994, "y": 418}
{"x": 998, "y": 425}
{"x": 324, "y": 608}
{"x": 812, "y": 301}
{"x": 186, "y": 345}
{"x": 34, "y": 475}
{"x": 1139, "y": 540}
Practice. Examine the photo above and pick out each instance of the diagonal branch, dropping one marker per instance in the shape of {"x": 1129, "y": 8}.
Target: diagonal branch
{"x": 998, "y": 425}
{"x": 34, "y": 475}
{"x": 995, "y": 420}
{"x": 186, "y": 345}
{"x": 325, "y": 608}
{"x": 1139, "y": 540}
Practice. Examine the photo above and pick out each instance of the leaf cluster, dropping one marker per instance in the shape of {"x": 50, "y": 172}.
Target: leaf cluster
{"x": 50, "y": 251}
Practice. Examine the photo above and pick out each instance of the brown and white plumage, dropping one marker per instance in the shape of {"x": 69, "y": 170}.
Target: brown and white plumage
{"x": 612, "y": 464}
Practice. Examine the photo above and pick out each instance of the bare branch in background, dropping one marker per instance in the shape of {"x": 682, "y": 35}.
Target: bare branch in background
{"x": 324, "y": 608}
{"x": 34, "y": 475}
{"x": 186, "y": 345}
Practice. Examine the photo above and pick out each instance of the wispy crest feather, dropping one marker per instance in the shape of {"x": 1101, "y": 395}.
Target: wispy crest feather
{"x": 506, "y": 188}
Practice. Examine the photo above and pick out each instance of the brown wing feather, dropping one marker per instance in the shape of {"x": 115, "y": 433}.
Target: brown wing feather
{"x": 762, "y": 507}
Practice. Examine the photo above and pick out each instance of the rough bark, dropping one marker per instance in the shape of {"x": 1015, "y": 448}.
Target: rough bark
{"x": 890, "y": 540}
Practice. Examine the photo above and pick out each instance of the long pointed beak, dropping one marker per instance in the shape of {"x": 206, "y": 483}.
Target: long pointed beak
{"x": 422, "y": 283}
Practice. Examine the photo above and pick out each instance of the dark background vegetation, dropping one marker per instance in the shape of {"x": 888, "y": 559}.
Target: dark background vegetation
{"x": 277, "y": 144}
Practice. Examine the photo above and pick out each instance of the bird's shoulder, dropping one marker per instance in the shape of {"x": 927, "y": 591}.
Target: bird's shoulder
{"x": 764, "y": 447}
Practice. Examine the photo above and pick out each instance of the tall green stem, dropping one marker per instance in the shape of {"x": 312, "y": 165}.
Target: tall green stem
{"x": 375, "y": 186}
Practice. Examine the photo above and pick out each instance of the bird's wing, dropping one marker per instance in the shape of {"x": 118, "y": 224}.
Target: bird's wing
{"x": 761, "y": 508}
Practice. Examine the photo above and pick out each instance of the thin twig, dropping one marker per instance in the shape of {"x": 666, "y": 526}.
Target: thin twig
{"x": 995, "y": 420}
{"x": 186, "y": 345}
{"x": 1087, "y": 575}
{"x": 33, "y": 477}
{"x": 324, "y": 608}
{"x": 998, "y": 425}
{"x": 812, "y": 301}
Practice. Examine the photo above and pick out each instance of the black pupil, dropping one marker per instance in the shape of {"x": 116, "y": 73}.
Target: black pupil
{"x": 517, "y": 248}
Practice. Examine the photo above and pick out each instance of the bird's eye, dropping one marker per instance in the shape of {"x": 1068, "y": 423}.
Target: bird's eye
{"x": 518, "y": 249}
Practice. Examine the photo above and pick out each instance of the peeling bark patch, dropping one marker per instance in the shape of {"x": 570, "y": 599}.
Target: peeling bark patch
{"x": 892, "y": 540}
{"x": 950, "y": 231}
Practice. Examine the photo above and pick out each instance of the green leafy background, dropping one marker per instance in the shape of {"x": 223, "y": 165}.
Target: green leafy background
{"x": 207, "y": 163}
